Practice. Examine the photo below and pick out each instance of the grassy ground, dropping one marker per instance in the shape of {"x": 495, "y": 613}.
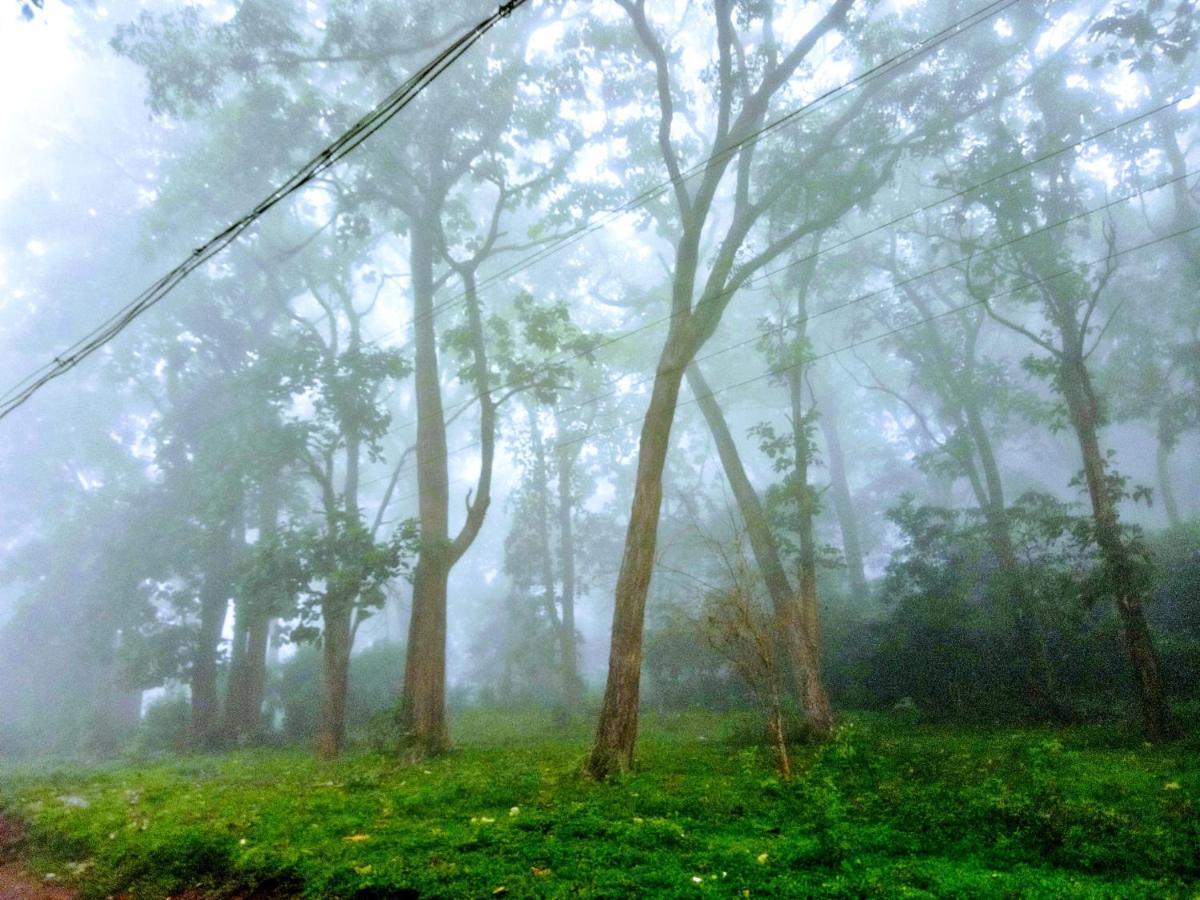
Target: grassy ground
{"x": 884, "y": 809}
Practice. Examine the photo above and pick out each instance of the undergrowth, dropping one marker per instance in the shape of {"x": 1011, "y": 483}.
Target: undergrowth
{"x": 882, "y": 809}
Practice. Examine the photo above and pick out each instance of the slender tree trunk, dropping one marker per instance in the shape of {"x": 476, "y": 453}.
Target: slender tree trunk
{"x": 959, "y": 391}
{"x": 214, "y": 606}
{"x": 806, "y": 501}
{"x": 335, "y": 677}
{"x": 802, "y": 662}
{"x": 256, "y": 680}
{"x": 810, "y": 613}
{"x": 843, "y": 503}
{"x": 1119, "y": 564}
{"x": 233, "y": 713}
{"x": 542, "y": 477}
{"x": 616, "y": 731}
{"x": 565, "y": 637}
{"x": 572, "y": 685}
{"x": 1162, "y": 460}
{"x": 693, "y": 322}
{"x": 422, "y": 713}
{"x": 1042, "y": 695}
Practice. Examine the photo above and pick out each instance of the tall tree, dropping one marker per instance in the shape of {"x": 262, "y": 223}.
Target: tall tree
{"x": 744, "y": 94}
{"x": 1069, "y": 299}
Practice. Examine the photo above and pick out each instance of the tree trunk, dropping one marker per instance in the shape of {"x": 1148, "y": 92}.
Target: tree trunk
{"x": 564, "y": 633}
{"x": 251, "y": 636}
{"x": 422, "y": 714}
{"x": 802, "y": 662}
{"x": 234, "y": 712}
{"x": 1162, "y": 460}
{"x": 1119, "y": 564}
{"x": 214, "y": 606}
{"x": 1042, "y": 695}
{"x": 806, "y": 502}
{"x": 843, "y": 503}
{"x": 959, "y": 392}
{"x": 616, "y": 731}
{"x": 572, "y": 685}
{"x": 335, "y": 677}
{"x": 247, "y": 675}
{"x": 541, "y": 475}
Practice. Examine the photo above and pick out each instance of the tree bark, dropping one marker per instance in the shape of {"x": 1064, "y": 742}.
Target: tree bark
{"x": 806, "y": 503}
{"x": 1162, "y": 465}
{"x": 843, "y": 502}
{"x": 572, "y": 685}
{"x": 422, "y": 714}
{"x": 959, "y": 392}
{"x": 335, "y": 677}
{"x": 692, "y": 323}
{"x": 802, "y": 661}
{"x": 541, "y": 476}
{"x": 1084, "y": 410}
{"x": 251, "y": 634}
{"x": 616, "y": 731}
{"x": 247, "y": 675}
{"x": 214, "y": 607}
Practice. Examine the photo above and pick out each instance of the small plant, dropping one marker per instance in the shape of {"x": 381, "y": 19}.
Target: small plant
{"x": 738, "y": 625}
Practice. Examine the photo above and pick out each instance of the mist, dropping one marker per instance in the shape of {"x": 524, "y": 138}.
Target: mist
{"x": 640, "y": 376}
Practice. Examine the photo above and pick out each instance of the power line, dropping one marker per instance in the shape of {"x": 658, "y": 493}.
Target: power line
{"x": 762, "y": 276}
{"x": 910, "y": 54}
{"x": 529, "y": 378}
{"x": 363, "y": 129}
{"x": 778, "y": 370}
{"x": 68, "y": 359}
{"x": 804, "y": 320}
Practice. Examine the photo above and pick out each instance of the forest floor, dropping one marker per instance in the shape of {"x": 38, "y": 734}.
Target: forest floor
{"x": 15, "y": 882}
{"x": 882, "y": 810}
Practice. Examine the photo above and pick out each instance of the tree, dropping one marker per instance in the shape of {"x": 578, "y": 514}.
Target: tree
{"x": 1069, "y": 299}
{"x": 698, "y": 300}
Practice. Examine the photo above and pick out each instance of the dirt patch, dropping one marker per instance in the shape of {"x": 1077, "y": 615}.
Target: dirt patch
{"x": 15, "y": 882}
{"x": 11, "y": 834}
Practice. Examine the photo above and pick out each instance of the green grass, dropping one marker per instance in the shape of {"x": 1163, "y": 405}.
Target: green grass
{"x": 883, "y": 809}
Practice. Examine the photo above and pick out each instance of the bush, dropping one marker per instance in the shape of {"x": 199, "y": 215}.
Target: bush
{"x": 948, "y": 650}
{"x": 376, "y": 675}
{"x": 165, "y": 728}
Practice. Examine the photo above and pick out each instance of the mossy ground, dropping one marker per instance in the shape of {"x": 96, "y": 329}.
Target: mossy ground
{"x": 884, "y": 809}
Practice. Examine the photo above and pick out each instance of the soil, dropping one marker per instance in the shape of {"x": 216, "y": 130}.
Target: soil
{"x": 15, "y": 882}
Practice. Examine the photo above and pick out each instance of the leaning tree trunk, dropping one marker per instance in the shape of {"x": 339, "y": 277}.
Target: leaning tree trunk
{"x": 1118, "y": 561}
{"x": 802, "y": 662}
{"x": 616, "y": 731}
{"x": 958, "y": 387}
{"x": 422, "y": 713}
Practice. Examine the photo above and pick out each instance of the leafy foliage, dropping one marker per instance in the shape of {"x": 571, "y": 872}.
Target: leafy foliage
{"x": 881, "y": 809}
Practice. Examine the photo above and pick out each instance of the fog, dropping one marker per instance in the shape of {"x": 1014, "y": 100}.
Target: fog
{"x": 806, "y": 358}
